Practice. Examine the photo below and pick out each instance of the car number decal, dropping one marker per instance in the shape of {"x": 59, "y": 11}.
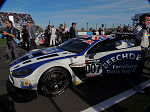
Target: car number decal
{"x": 93, "y": 69}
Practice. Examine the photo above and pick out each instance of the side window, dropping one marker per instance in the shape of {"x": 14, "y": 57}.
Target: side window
{"x": 107, "y": 45}
{"x": 95, "y": 49}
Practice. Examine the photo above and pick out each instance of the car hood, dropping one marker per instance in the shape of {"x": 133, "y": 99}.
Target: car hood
{"x": 41, "y": 54}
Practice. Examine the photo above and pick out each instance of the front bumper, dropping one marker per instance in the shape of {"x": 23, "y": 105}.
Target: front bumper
{"x": 24, "y": 83}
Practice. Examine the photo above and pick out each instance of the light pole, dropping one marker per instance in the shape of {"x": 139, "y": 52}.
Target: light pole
{"x": 49, "y": 22}
{"x": 113, "y": 26}
{"x": 87, "y": 26}
{"x": 96, "y": 26}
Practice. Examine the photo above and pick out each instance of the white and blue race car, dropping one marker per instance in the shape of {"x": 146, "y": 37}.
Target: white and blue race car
{"x": 52, "y": 70}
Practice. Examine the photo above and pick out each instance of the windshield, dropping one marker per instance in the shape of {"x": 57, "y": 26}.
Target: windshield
{"x": 75, "y": 45}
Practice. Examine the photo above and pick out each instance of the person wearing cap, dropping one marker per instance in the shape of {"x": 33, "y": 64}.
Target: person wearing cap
{"x": 72, "y": 31}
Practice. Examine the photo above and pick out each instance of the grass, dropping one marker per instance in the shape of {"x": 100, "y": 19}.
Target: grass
{"x": 2, "y": 41}
{"x": 135, "y": 103}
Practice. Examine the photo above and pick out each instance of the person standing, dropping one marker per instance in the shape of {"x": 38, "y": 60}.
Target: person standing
{"x": 141, "y": 31}
{"x": 25, "y": 36}
{"x": 60, "y": 34}
{"x": 10, "y": 34}
{"x": 47, "y": 33}
{"x": 53, "y": 36}
{"x": 72, "y": 31}
{"x": 66, "y": 33}
{"x": 141, "y": 36}
{"x": 32, "y": 36}
{"x": 119, "y": 29}
{"x": 125, "y": 29}
{"x": 100, "y": 31}
{"x": 94, "y": 32}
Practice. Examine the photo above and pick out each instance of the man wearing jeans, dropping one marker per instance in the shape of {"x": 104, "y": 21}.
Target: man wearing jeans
{"x": 32, "y": 36}
{"x": 11, "y": 45}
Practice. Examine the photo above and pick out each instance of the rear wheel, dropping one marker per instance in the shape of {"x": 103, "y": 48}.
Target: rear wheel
{"x": 54, "y": 82}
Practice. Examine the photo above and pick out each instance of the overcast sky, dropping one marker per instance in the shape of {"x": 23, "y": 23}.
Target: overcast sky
{"x": 81, "y": 11}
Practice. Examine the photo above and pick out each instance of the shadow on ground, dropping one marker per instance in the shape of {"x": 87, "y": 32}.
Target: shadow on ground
{"x": 99, "y": 89}
{"x": 20, "y": 95}
{"x": 6, "y": 105}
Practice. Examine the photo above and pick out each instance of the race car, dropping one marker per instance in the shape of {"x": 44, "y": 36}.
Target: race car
{"x": 50, "y": 71}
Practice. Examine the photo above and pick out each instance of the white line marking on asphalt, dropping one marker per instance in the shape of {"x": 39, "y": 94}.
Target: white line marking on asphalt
{"x": 116, "y": 99}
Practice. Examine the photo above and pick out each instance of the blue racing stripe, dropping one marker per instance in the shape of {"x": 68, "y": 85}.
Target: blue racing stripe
{"x": 34, "y": 66}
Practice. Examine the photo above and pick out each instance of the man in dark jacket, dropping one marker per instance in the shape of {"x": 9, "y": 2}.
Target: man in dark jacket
{"x": 100, "y": 31}
{"x": 94, "y": 32}
{"x": 72, "y": 31}
{"x": 32, "y": 36}
{"x": 25, "y": 36}
{"x": 10, "y": 34}
{"x": 47, "y": 34}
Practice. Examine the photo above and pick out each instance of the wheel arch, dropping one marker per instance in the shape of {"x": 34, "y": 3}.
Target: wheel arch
{"x": 70, "y": 76}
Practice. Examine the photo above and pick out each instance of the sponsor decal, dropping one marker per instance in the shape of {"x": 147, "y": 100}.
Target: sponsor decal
{"x": 122, "y": 63}
{"x": 121, "y": 57}
{"x": 44, "y": 52}
{"x": 76, "y": 83}
{"x": 30, "y": 56}
{"x": 25, "y": 83}
{"x": 93, "y": 68}
{"x": 117, "y": 63}
{"x": 123, "y": 69}
{"x": 50, "y": 50}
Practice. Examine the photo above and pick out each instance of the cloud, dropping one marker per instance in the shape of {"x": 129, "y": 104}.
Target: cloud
{"x": 111, "y": 12}
{"x": 92, "y": 11}
{"x": 134, "y": 9}
{"x": 112, "y": 4}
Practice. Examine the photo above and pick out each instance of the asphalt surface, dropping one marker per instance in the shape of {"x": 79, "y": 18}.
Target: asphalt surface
{"x": 75, "y": 99}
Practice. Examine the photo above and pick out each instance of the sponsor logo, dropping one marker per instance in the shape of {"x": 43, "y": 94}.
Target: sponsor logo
{"x": 121, "y": 57}
{"x": 25, "y": 83}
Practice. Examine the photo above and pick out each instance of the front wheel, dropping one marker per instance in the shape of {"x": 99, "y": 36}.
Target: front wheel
{"x": 54, "y": 82}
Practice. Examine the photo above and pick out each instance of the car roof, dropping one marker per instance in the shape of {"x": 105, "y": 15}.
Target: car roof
{"x": 97, "y": 37}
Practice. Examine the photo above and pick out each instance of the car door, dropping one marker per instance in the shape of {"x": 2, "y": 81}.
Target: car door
{"x": 113, "y": 57}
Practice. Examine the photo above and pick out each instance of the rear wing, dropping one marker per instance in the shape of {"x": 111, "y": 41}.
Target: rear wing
{"x": 123, "y": 35}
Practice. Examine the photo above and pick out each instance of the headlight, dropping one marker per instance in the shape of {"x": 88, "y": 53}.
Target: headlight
{"x": 22, "y": 72}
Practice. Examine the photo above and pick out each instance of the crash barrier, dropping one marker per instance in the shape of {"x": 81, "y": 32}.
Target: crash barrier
{"x": 88, "y": 33}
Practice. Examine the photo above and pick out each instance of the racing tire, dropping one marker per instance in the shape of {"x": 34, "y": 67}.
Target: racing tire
{"x": 54, "y": 82}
